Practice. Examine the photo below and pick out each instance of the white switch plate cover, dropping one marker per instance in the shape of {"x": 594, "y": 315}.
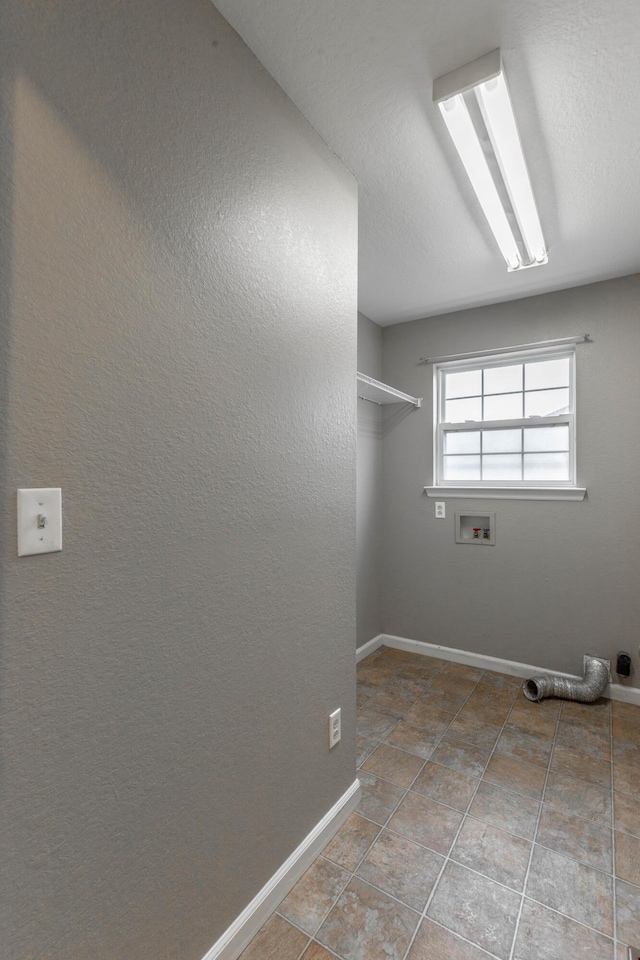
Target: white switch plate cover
{"x": 34, "y": 503}
{"x": 440, "y": 510}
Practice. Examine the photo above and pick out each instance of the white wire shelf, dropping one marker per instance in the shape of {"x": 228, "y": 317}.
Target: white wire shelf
{"x": 377, "y": 392}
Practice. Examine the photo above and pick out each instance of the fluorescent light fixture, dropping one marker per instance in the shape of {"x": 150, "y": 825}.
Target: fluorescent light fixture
{"x": 503, "y": 186}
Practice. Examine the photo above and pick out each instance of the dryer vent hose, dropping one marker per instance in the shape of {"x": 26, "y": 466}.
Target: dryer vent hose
{"x": 592, "y": 685}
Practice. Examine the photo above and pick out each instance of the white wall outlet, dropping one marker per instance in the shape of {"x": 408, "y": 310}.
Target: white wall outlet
{"x": 335, "y": 727}
{"x": 440, "y": 510}
{"x": 39, "y": 521}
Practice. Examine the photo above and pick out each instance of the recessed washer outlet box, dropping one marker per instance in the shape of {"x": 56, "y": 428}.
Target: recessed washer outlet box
{"x": 476, "y": 528}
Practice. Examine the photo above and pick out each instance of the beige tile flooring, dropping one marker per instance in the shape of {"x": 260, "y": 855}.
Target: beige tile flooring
{"x": 489, "y": 827}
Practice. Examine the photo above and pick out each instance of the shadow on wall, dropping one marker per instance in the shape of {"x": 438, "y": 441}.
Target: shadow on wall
{"x": 7, "y": 505}
{"x": 394, "y": 414}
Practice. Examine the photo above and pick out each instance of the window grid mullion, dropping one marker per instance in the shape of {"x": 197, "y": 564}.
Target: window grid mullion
{"x": 508, "y": 393}
{"x": 510, "y": 424}
{"x": 505, "y": 453}
{"x": 521, "y": 424}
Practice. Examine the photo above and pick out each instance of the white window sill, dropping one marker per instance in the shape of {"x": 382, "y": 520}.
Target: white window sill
{"x": 508, "y": 493}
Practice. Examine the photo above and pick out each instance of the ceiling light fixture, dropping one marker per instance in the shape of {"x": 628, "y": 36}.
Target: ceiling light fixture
{"x": 475, "y": 104}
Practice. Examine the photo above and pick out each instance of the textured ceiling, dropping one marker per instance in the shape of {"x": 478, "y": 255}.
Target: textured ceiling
{"x": 361, "y": 72}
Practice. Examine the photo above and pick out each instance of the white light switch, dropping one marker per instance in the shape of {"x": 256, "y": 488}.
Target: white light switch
{"x": 39, "y": 521}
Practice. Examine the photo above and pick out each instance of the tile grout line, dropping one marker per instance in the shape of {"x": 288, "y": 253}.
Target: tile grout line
{"x": 333, "y": 901}
{"x": 331, "y": 952}
{"x": 478, "y": 873}
{"x": 613, "y": 875}
{"x": 312, "y": 939}
{"x": 588, "y": 820}
{"x": 448, "y": 857}
{"x": 390, "y": 896}
{"x": 351, "y": 874}
{"x": 464, "y": 939}
{"x": 304, "y": 949}
{"x": 472, "y": 776}
{"x": 407, "y": 789}
{"x": 493, "y": 751}
{"x": 565, "y": 916}
{"x": 533, "y": 843}
{"x": 578, "y": 725}
{"x": 391, "y": 716}
{"x": 554, "y": 743}
{"x": 422, "y": 914}
{"x": 462, "y": 822}
{"x": 614, "y": 885}
{"x": 570, "y": 856}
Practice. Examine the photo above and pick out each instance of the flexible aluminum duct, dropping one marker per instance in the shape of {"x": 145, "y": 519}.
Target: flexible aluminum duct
{"x": 592, "y": 685}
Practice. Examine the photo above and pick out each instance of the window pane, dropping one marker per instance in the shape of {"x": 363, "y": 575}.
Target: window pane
{"x": 457, "y": 411}
{"x": 504, "y": 406}
{"x": 502, "y": 441}
{"x": 547, "y": 438}
{"x": 546, "y": 373}
{"x": 547, "y": 403}
{"x": 461, "y": 468}
{"x": 505, "y": 467}
{"x": 546, "y": 466}
{"x": 467, "y": 383}
{"x": 466, "y": 441}
{"x": 503, "y": 379}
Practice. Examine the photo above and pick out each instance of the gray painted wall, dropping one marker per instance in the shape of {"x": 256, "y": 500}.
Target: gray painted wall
{"x": 369, "y": 489}
{"x": 562, "y": 579}
{"x": 179, "y": 339}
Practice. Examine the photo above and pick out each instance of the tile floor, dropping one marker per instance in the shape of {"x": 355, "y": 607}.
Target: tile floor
{"x": 489, "y": 827}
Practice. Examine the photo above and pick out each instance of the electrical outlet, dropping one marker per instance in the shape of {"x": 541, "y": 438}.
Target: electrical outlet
{"x": 440, "y": 510}
{"x": 335, "y": 727}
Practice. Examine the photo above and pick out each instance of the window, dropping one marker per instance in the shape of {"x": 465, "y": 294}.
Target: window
{"x": 506, "y": 422}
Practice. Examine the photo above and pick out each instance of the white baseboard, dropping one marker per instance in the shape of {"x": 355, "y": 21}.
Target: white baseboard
{"x": 244, "y": 928}
{"x": 615, "y": 691}
{"x": 369, "y": 647}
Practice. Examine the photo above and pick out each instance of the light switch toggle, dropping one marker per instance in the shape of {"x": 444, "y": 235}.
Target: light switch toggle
{"x": 39, "y": 521}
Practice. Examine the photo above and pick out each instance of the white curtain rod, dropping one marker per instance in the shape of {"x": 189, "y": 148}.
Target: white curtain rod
{"x": 585, "y": 338}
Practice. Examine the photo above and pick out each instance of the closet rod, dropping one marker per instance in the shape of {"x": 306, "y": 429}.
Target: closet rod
{"x": 585, "y": 338}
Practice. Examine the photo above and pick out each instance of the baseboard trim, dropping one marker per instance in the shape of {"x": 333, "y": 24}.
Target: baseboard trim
{"x": 614, "y": 691}
{"x": 369, "y": 647}
{"x": 244, "y": 928}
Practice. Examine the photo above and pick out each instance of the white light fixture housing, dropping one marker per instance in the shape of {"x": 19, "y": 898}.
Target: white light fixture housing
{"x": 475, "y": 104}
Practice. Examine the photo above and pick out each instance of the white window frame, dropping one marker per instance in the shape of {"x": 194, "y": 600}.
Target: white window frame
{"x": 507, "y": 489}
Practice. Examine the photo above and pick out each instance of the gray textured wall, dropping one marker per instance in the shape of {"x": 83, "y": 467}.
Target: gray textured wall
{"x": 562, "y": 579}
{"x": 369, "y": 489}
{"x": 179, "y": 340}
